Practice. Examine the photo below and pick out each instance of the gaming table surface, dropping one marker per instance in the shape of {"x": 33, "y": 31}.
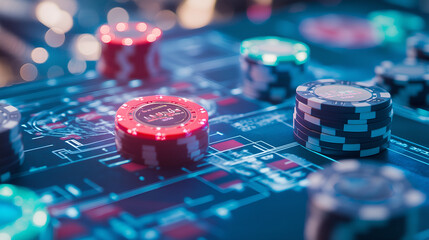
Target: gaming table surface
{"x": 71, "y": 159}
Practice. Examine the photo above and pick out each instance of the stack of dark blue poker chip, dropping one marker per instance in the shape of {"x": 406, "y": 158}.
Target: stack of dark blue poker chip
{"x": 356, "y": 199}
{"x": 407, "y": 82}
{"x": 272, "y": 67}
{"x": 342, "y": 118}
{"x": 418, "y": 46}
{"x": 12, "y": 149}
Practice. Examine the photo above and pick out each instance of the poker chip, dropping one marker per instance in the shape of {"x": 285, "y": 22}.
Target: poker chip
{"x": 14, "y": 164}
{"x": 337, "y": 119}
{"x": 341, "y": 146}
{"x": 274, "y": 51}
{"x": 355, "y": 199}
{"x": 348, "y": 125}
{"x": 373, "y": 115}
{"x": 129, "y": 51}
{"x": 23, "y": 216}
{"x": 187, "y": 148}
{"x": 272, "y": 67}
{"x": 12, "y": 148}
{"x": 418, "y": 46}
{"x": 404, "y": 73}
{"x": 163, "y": 131}
{"x": 339, "y": 31}
{"x": 341, "y": 152}
{"x": 342, "y": 119}
{"x": 336, "y": 139}
{"x": 373, "y": 130}
{"x": 407, "y": 82}
{"x": 342, "y": 96}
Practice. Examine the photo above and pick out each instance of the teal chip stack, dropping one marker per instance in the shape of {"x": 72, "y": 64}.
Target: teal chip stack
{"x": 22, "y": 215}
{"x": 272, "y": 67}
{"x": 342, "y": 118}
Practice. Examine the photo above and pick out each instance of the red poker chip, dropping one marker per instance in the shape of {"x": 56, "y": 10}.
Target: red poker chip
{"x": 168, "y": 153}
{"x": 139, "y": 60}
{"x": 340, "y": 31}
{"x": 136, "y": 53}
{"x": 161, "y": 118}
{"x": 128, "y": 34}
{"x": 162, "y": 147}
{"x": 129, "y": 50}
{"x": 111, "y": 71}
{"x": 132, "y": 141}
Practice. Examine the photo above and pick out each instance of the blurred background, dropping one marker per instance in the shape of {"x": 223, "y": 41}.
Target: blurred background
{"x": 54, "y": 38}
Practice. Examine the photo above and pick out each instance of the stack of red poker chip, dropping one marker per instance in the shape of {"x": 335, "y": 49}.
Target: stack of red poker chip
{"x": 129, "y": 50}
{"x": 162, "y": 131}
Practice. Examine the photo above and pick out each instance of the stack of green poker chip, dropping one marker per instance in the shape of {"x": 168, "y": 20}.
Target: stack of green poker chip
{"x": 273, "y": 67}
{"x": 22, "y": 215}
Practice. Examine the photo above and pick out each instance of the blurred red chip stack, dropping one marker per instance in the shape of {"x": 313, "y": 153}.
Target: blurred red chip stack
{"x": 129, "y": 50}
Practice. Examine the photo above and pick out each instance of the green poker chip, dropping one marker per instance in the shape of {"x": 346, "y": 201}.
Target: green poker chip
{"x": 22, "y": 214}
{"x": 273, "y": 51}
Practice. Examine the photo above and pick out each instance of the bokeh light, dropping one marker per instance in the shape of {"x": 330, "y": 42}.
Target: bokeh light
{"x": 87, "y": 47}
{"x": 196, "y": 13}
{"x": 6, "y": 191}
{"x": 28, "y": 72}
{"x": 48, "y": 13}
{"x": 165, "y": 19}
{"x": 120, "y": 27}
{"x": 39, "y": 55}
{"x": 54, "y": 39}
{"x": 40, "y": 218}
{"x": 76, "y": 66}
{"x": 69, "y": 6}
{"x": 116, "y": 15}
{"x": 52, "y": 16}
